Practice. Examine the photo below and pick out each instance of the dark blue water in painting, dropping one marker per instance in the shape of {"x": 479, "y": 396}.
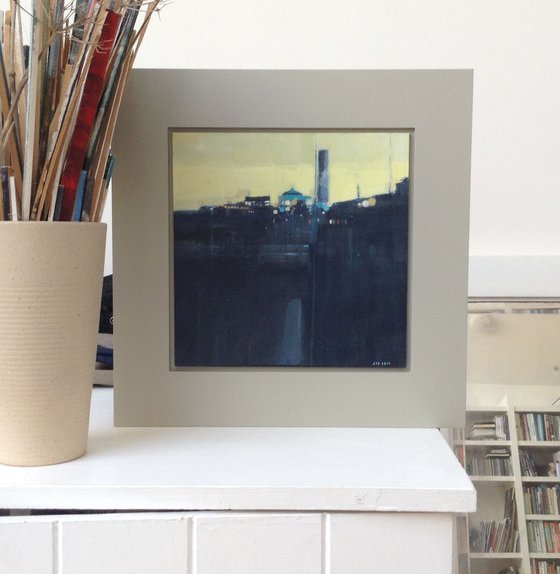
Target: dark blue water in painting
{"x": 308, "y": 287}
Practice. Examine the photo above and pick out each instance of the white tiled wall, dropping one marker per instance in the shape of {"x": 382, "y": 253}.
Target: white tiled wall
{"x": 225, "y": 543}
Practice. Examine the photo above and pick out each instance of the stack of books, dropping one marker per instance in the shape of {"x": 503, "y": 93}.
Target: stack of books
{"x": 498, "y": 536}
{"x": 542, "y": 499}
{"x": 496, "y": 429}
{"x": 538, "y": 426}
{"x": 544, "y": 567}
{"x": 543, "y": 536}
{"x": 528, "y": 466}
{"x": 496, "y": 462}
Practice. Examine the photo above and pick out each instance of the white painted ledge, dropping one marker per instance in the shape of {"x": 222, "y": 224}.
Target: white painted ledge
{"x": 327, "y": 469}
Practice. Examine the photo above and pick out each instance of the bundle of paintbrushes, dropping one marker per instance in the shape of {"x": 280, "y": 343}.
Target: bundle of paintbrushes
{"x": 59, "y": 100}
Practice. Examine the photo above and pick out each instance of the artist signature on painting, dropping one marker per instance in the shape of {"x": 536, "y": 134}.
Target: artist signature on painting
{"x": 381, "y": 364}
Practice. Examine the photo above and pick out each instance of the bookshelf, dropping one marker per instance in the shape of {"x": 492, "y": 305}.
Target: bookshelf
{"x": 538, "y": 434}
{"x": 491, "y": 544}
{"x": 511, "y": 454}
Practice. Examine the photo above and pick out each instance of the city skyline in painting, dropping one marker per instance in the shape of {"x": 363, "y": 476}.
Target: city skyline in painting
{"x": 217, "y": 167}
{"x": 290, "y": 248}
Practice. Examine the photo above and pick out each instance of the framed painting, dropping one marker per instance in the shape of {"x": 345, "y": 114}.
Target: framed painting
{"x": 291, "y": 248}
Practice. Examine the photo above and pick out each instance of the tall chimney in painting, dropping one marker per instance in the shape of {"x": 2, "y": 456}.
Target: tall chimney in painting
{"x": 322, "y": 170}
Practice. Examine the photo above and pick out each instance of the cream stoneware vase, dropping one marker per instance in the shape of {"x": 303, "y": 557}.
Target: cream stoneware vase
{"x": 51, "y": 278}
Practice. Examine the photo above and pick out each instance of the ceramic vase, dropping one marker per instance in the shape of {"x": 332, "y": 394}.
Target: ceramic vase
{"x": 51, "y": 278}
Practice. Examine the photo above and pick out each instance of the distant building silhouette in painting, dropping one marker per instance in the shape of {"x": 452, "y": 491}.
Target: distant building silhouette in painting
{"x": 322, "y": 185}
{"x": 291, "y": 198}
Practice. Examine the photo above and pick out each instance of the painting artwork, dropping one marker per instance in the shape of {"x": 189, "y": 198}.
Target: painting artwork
{"x": 290, "y": 248}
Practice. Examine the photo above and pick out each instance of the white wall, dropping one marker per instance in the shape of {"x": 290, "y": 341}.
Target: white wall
{"x": 512, "y": 45}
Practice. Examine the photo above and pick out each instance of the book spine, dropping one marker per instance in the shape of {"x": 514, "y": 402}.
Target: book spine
{"x": 539, "y": 421}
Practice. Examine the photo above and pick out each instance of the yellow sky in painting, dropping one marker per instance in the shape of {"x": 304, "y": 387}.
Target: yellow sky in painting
{"x": 213, "y": 168}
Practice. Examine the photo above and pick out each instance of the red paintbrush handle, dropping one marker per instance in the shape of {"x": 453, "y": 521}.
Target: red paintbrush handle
{"x": 93, "y": 88}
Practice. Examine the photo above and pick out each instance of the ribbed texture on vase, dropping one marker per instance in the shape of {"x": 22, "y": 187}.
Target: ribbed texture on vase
{"x": 50, "y": 290}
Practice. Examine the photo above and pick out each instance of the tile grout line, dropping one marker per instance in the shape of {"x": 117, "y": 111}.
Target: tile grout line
{"x": 326, "y": 543}
{"x": 191, "y": 546}
{"x": 56, "y": 548}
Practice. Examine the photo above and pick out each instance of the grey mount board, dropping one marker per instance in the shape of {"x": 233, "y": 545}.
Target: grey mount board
{"x": 436, "y": 105}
